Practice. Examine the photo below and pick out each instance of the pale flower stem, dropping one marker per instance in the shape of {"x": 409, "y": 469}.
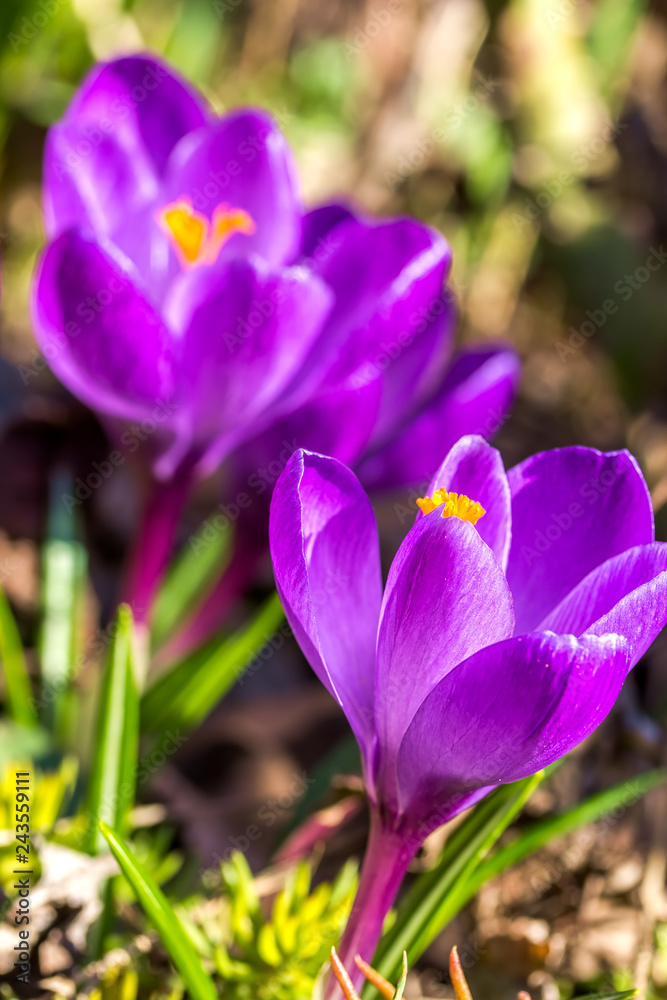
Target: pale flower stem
{"x": 388, "y": 855}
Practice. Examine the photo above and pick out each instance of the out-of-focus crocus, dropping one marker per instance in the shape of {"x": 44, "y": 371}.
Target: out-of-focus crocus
{"x": 169, "y": 295}
{"x": 184, "y": 288}
{"x": 511, "y": 615}
{"x": 390, "y": 401}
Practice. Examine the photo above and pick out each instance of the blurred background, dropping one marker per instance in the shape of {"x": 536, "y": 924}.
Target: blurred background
{"x": 533, "y": 135}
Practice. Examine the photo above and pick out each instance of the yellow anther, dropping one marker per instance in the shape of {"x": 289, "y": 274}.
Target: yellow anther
{"x": 453, "y": 504}
{"x": 186, "y": 229}
{"x": 196, "y": 240}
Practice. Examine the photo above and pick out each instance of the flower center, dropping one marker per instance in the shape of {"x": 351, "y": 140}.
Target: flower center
{"x": 453, "y": 504}
{"x": 196, "y": 240}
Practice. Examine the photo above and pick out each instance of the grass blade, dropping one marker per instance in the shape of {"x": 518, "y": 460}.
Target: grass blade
{"x": 438, "y": 895}
{"x": 65, "y": 565}
{"x": 623, "y": 995}
{"x": 426, "y": 908}
{"x": 400, "y": 988}
{"x": 113, "y": 777}
{"x": 612, "y": 31}
{"x": 185, "y": 695}
{"x": 20, "y": 703}
{"x": 619, "y": 797}
{"x": 190, "y": 578}
{"x": 179, "y": 947}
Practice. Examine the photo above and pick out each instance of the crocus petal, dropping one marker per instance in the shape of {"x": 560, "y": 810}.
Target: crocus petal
{"x": 318, "y": 224}
{"x": 326, "y": 560}
{"x": 253, "y": 327}
{"x": 445, "y": 598}
{"x": 384, "y": 276}
{"x": 572, "y": 509}
{"x": 338, "y": 423}
{"x": 242, "y": 162}
{"x": 99, "y": 335}
{"x": 506, "y": 712}
{"x": 475, "y": 469}
{"x": 93, "y": 191}
{"x": 473, "y": 399}
{"x": 411, "y": 366}
{"x": 626, "y": 595}
{"x": 108, "y": 154}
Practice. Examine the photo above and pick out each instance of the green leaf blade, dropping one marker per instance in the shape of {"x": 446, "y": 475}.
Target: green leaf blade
{"x": 540, "y": 834}
{"x": 467, "y": 862}
{"x": 20, "y": 702}
{"x": 113, "y": 776}
{"x": 183, "y": 697}
{"x": 65, "y": 566}
{"x": 152, "y": 900}
{"x": 623, "y": 995}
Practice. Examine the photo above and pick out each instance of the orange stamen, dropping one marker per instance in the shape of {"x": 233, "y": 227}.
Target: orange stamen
{"x": 186, "y": 228}
{"x": 453, "y": 504}
{"x": 194, "y": 239}
{"x": 226, "y": 222}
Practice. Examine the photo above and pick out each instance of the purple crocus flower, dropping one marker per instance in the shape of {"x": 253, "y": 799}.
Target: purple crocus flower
{"x": 512, "y": 613}
{"x": 185, "y": 289}
{"x": 169, "y": 228}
